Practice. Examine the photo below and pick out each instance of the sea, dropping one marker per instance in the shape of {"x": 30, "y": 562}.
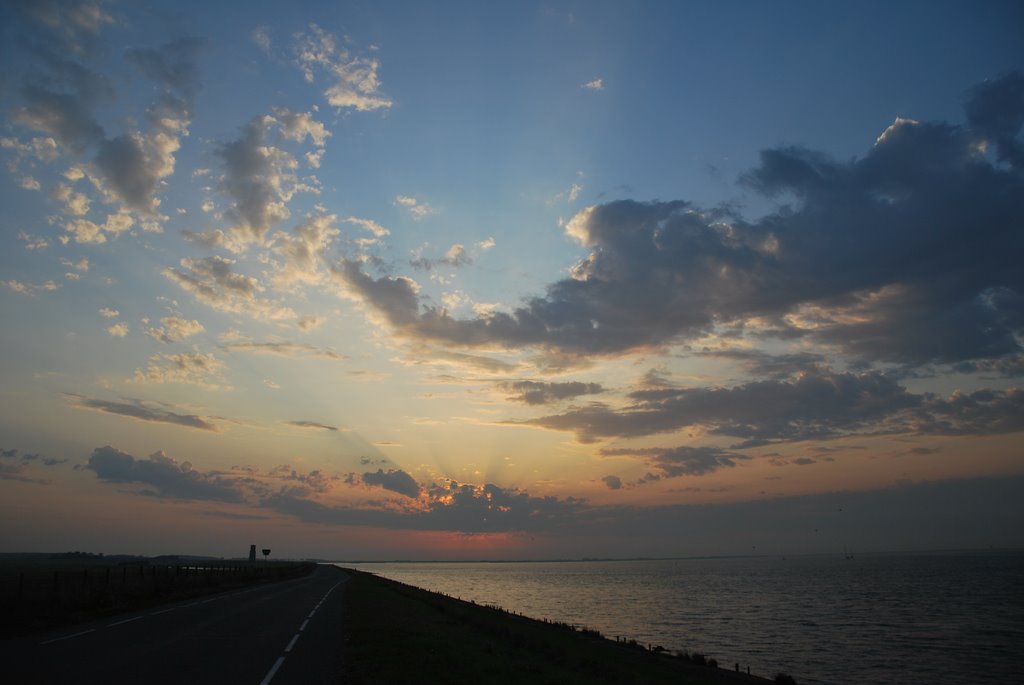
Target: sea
{"x": 942, "y": 617}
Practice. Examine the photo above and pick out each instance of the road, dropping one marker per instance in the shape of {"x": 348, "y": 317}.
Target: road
{"x": 276, "y": 634}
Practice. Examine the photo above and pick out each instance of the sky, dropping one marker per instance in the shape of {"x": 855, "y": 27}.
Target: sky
{"x": 458, "y": 280}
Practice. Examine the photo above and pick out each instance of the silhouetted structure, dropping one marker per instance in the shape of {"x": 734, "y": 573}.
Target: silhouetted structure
{"x": 252, "y": 554}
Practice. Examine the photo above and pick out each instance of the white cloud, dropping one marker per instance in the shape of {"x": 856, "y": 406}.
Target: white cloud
{"x": 373, "y": 227}
{"x": 261, "y": 37}
{"x": 33, "y": 242}
{"x": 194, "y": 368}
{"x": 302, "y": 252}
{"x": 298, "y": 126}
{"x": 86, "y": 231}
{"x": 174, "y": 329}
{"x": 574, "y": 192}
{"x": 416, "y": 209}
{"x": 596, "y": 84}
{"x": 355, "y": 81}
{"x": 108, "y": 313}
{"x": 118, "y": 330}
{"x": 213, "y": 281}
{"x": 29, "y": 288}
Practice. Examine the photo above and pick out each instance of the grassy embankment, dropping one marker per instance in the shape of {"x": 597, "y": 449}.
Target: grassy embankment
{"x": 39, "y": 592}
{"x": 399, "y": 634}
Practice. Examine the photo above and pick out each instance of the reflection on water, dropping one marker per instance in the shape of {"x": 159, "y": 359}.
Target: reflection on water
{"x": 927, "y": 618}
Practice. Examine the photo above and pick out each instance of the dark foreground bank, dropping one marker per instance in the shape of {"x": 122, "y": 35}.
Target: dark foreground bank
{"x": 45, "y": 592}
{"x": 396, "y": 633}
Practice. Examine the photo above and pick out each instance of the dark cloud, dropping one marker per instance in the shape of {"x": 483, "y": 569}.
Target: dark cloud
{"x": 165, "y": 476}
{"x": 907, "y": 255}
{"x": 394, "y": 480}
{"x": 258, "y": 179}
{"x": 984, "y": 412}
{"x": 536, "y": 392}
{"x": 1005, "y": 367}
{"x": 62, "y": 103}
{"x": 452, "y": 507}
{"x": 995, "y": 109}
{"x": 172, "y": 65}
{"x": 811, "y": 406}
{"x": 814, "y": 405}
{"x": 672, "y": 462}
{"x": 134, "y": 164}
{"x": 143, "y": 411}
{"x": 613, "y": 482}
{"x": 764, "y": 365}
{"x": 70, "y": 25}
{"x": 312, "y": 424}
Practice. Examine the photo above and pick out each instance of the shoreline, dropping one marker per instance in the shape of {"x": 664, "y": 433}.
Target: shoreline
{"x": 386, "y": 617}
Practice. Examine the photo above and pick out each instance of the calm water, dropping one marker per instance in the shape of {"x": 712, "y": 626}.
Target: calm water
{"x": 935, "y": 618}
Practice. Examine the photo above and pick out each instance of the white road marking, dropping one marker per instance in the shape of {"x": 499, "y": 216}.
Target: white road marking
{"x": 303, "y": 626}
{"x": 127, "y": 620}
{"x": 273, "y": 669}
{"x": 68, "y": 637}
{"x": 162, "y": 611}
{"x": 292, "y": 643}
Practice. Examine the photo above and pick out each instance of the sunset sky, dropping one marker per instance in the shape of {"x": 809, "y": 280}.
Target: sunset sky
{"x": 472, "y": 280}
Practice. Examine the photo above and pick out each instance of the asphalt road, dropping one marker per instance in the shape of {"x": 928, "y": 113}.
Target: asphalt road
{"x": 281, "y": 633}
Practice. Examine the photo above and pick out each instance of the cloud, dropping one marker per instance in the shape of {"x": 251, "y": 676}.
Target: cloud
{"x": 394, "y": 480}
{"x": 982, "y": 412}
{"x": 812, "y": 406}
{"x": 455, "y": 257}
{"x": 33, "y": 242}
{"x": 536, "y": 392}
{"x": 282, "y": 349}
{"x": 313, "y": 424}
{"x": 260, "y": 179}
{"x": 118, "y": 330}
{"x": 596, "y": 84}
{"x": 109, "y": 313}
{"x": 995, "y": 109}
{"x": 164, "y": 476}
{"x": 71, "y": 26}
{"x": 764, "y": 365}
{"x": 260, "y": 35}
{"x": 195, "y": 368}
{"x": 142, "y": 411}
{"x": 298, "y": 126}
{"x": 29, "y": 288}
{"x": 613, "y": 482}
{"x": 213, "y": 282}
{"x": 61, "y": 95}
{"x": 133, "y": 165}
{"x": 354, "y": 80}
{"x": 451, "y": 507}
{"x": 417, "y": 210}
{"x": 85, "y": 231}
{"x": 174, "y": 329}
{"x": 673, "y": 462}
{"x": 18, "y": 467}
{"x": 302, "y": 252}
{"x": 373, "y": 227}
{"x": 1005, "y": 367}
{"x": 905, "y": 255}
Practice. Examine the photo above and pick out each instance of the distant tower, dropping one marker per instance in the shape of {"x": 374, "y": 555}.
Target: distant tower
{"x": 252, "y": 554}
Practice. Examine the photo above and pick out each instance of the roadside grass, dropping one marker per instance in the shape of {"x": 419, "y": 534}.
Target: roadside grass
{"x": 398, "y": 634}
